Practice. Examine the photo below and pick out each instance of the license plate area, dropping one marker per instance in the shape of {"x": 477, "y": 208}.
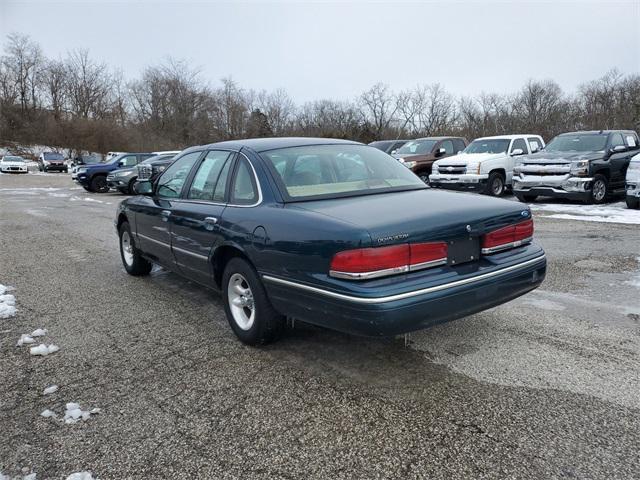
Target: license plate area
{"x": 463, "y": 250}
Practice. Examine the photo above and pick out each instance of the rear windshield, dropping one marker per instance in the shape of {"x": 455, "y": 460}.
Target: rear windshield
{"x": 53, "y": 156}
{"x": 326, "y": 171}
{"x": 577, "y": 143}
{"x": 488, "y": 146}
{"x": 417, "y": 147}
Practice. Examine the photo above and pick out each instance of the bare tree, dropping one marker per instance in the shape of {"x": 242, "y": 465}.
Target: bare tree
{"x": 88, "y": 85}
{"x": 378, "y": 107}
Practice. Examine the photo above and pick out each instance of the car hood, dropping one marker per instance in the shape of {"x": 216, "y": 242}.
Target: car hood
{"x": 120, "y": 171}
{"x": 544, "y": 157}
{"x": 419, "y": 215}
{"x": 465, "y": 158}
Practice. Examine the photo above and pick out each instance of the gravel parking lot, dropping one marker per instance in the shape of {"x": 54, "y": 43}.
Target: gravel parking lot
{"x": 546, "y": 386}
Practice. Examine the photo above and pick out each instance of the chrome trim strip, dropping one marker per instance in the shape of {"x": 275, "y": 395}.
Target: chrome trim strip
{"x": 429, "y": 264}
{"x": 506, "y": 246}
{"x": 193, "y": 254}
{"x": 168, "y": 245}
{"x": 402, "y": 296}
{"x": 368, "y": 275}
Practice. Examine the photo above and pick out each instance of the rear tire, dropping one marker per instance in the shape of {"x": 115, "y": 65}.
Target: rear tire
{"x": 249, "y": 311}
{"x": 495, "y": 184}
{"x": 134, "y": 263}
{"x": 424, "y": 176}
{"x": 526, "y": 198}
{"x": 599, "y": 189}
{"x": 99, "y": 184}
{"x": 633, "y": 202}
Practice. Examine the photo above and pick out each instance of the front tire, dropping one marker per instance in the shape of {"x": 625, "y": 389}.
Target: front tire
{"x": 99, "y": 184}
{"x": 424, "y": 176}
{"x": 495, "y": 184}
{"x": 599, "y": 189}
{"x": 134, "y": 263}
{"x": 249, "y": 311}
{"x": 633, "y": 202}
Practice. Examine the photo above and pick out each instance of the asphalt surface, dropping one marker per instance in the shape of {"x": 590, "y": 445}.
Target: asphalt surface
{"x": 546, "y": 386}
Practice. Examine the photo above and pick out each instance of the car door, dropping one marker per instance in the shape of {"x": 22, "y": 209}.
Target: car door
{"x": 618, "y": 161}
{"x": 195, "y": 216}
{"x": 153, "y": 213}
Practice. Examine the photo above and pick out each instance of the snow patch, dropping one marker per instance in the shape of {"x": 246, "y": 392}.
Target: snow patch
{"x": 39, "y": 332}
{"x": 50, "y": 390}
{"x": 25, "y": 339}
{"x": 48, "y": 413}
{"x": 43, "y": 350}
{"x": 85, "y": 199}
{"x": 7, "y": 302}
{"x": 81, "y": 476}
{"x": 74, "y": 413}
{"x": 612, "y": 213}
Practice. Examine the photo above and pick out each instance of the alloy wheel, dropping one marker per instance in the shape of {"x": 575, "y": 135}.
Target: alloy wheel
{"x": 599, "y": 190}
{"x": 241, "y": 301}
{"x": 127, "y": 248}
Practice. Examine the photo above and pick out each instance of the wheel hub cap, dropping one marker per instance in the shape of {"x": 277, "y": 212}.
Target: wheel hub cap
{"x": 241, "y": 301}
{"x": 127, "y": 248}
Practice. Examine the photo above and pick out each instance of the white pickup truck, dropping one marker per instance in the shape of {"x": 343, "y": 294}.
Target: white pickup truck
{"x": 486, "y": 165}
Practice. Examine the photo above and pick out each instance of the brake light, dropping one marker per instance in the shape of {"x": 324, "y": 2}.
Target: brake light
{"x": 508, "y": 237}
{"x": 366, "y": 263}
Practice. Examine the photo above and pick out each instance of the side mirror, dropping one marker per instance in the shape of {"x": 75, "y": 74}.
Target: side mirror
{"x": 618, "y": 148}
{"x": 144, "y": 187}
{"x": 393, "y": 152}
{"x": 517, "y": 151}
{"x": 441, "y": 151}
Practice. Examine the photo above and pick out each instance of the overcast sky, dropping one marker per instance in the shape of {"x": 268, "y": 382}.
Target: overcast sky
{"x": 337, "y": 50}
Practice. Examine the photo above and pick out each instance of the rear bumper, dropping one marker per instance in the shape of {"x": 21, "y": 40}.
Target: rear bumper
{"x": 559, "y": 186}
{"x": 407, "y": 311}
{"x": 459, "y": 182}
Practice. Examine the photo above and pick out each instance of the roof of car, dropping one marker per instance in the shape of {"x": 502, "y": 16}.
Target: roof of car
{"x": 264, "y": 144}
{"x": 596, "y": 132}
{"x": 508, "y": 137}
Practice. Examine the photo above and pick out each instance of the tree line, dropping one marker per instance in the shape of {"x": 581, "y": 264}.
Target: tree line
{"x": 77, "y": 102}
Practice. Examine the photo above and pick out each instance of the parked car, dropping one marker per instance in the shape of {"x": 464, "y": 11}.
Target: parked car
{"x": 111, "y": 155}
{"x": 123, "y": 179}
{"x": 13, "y": 164}
{"x": 588, "y": 166}
{"x": 283, "y": 227}
{"x": 52, "y": 161}
{"x": 486, "y": 165}
{"x": 418, "y": 155}
{"x": 80, "y": 161}
{"x": 633, "y": 182}
{"x": 94, "y": 177}
{"x": 388, "y": 146}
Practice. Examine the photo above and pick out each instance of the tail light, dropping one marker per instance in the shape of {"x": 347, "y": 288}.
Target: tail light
{"x": 366, "y": 263}
{"x": 508, "y": 237}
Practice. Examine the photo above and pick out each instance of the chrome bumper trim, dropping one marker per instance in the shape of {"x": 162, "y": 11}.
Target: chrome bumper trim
{"x": 402, "y": 296}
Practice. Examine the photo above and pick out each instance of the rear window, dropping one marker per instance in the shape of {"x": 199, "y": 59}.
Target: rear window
{"x": 322, "y": 171}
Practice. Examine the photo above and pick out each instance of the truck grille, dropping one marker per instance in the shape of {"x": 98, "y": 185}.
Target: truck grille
{"x": 543, "y": 170}
{"x": 452, "y": 169}
{"x": 145, "y": 172}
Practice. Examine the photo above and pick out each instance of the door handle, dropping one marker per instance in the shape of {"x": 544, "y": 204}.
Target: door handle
{"x": 165, "y": 214}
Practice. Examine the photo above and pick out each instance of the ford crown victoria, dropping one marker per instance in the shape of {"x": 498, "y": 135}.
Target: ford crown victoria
{"x": 320, "y": 230}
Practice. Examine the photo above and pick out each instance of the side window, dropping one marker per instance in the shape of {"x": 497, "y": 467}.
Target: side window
{"x": 172, "y": 180}
{"x": 219, "y": 194}
{"x": 616, "y": 140}
{"x": 448, "y": 146}
{"x": 535, "y": 144}
{"x": 458, "y": 144}
{"x": 244, "y": 189}
{"x": 519, "y": 143}
{"x": 128, "y": 161}
{"x": 204, "y": 182}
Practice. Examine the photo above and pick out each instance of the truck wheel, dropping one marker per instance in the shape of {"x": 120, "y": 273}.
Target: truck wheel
{"x": 633, "y": 202}
{"x": 495, "y": 184}
{"x": 99, "y": 184}
{"x": 424, "y": 176}
{"x": 526, "y": 198}
{"x": 134, "y": 263}
{"x": 130, "y": 187}
{"x": 599, "y": 189}
{"x": 249, "y": 311}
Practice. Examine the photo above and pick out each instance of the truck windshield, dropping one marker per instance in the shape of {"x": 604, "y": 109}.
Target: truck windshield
{"x": 488, "y": 146}
{"x": 416, "y": 147}
{"x": 577, "y": 143}
{"x": 329, "y": 171}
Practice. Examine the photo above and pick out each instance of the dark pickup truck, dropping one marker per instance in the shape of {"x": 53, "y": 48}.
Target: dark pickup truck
{"x": 587, "y": 166}
{"x": 93, "y": 178}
